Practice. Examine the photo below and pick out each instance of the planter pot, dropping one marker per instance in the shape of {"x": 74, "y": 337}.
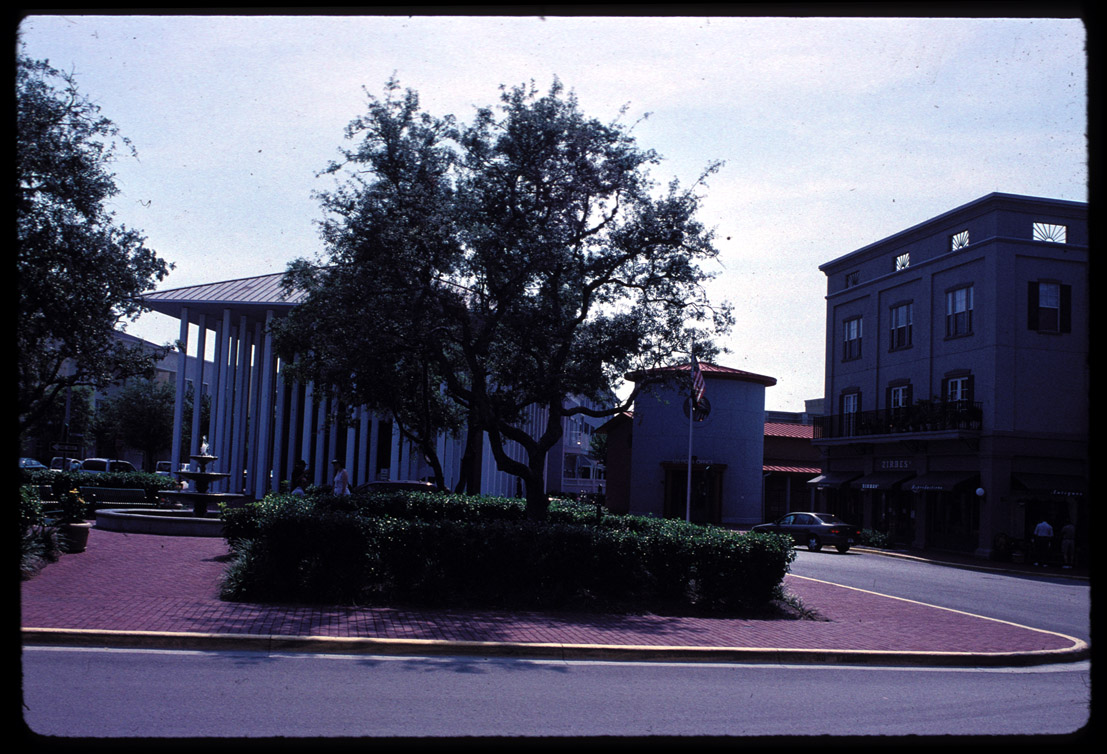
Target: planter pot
{"x": 74, "y": 537}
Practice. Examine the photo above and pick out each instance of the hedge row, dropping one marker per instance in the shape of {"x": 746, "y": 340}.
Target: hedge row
{"x": 443, "y": 550}
{"x": 64, "y": 481}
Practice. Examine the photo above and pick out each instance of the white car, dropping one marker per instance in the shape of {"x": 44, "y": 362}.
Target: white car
{"x": 104, "y": 465}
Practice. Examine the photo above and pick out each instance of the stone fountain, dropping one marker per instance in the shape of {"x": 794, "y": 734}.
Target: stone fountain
{"x": 196, "y": 522}
{"x": 201, "y": 479}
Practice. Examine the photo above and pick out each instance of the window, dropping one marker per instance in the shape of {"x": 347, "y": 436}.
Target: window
{"x": 959, "y": 311}
{"x": 850, "y": 405}
{"x": 1050, "y": 232}
{"x": 899, "y": 397}
{"x": 900, "y": 328}
{"x": 851, "y": 339}
{"x": 958, "y": 389}
{"x": 903, "y": 261}
{"x": 1049, "y": 307}
{"x": 959, "y": 240}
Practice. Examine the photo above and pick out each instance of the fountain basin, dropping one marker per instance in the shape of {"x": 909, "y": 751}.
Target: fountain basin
{"x": 181, "y": 523}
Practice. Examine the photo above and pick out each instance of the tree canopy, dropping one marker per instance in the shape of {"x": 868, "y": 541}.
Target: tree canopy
{"x": 472, "y": 271}
{"x": 78, "y": 270}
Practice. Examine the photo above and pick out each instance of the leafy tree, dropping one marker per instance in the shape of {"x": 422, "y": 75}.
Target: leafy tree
{"x": 78, "y": 269}
{"x": 140, "y": 415}
{"x": 514, "y": 261}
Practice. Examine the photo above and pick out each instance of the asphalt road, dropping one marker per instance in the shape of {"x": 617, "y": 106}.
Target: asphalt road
{"x": 159, "y": 693}
{"x": 1048, "y": 602}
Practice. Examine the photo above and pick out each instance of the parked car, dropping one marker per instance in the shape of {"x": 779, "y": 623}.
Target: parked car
{"x": 814, "y": 530}
{"x": 32, "y": 465}
{"x": 65, "y": 464}
{"x": 104, "y": 465}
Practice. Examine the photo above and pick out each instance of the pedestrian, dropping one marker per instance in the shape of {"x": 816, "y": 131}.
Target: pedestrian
{"x": 1043, "y": 535}
{"x": 299, "y": 477}
{"x": 341, "y": 478}
{"x": 1068, "y": 545}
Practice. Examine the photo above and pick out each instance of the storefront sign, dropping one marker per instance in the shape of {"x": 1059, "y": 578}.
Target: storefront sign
{"x": 895, "y": 464}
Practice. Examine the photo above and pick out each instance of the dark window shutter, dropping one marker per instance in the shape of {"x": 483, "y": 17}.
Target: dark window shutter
{"x": 971, "y": 389}
{"x": 1066, "y": 308}
{"x": 1032, "y": 306}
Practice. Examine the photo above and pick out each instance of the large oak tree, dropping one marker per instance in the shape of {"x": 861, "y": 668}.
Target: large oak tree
{"x": 473, "y": 271}
{"x": 78, "y": 270}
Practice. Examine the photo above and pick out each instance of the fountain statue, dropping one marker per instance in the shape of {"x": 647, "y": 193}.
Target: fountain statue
{"x": 201, "y": 479}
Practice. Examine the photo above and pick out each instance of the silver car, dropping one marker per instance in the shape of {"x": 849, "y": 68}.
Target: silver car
{"x": 814, "y": 530}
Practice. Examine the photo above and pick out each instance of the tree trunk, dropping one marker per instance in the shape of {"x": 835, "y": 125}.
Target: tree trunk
{"x": 538, "y": 502}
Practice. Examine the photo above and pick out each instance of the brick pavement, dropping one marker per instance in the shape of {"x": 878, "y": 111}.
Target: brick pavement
{"x": 157, "y": 587}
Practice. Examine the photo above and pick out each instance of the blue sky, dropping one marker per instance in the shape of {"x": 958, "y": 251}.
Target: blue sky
{"x": 835, "y": 132}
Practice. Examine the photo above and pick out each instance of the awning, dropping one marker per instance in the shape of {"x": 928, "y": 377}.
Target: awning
{"x": 1050, "y": 485}
{"x": 943, "y": 481}
{"x": 834, "y": 479}
{"x": 882, "y": 480}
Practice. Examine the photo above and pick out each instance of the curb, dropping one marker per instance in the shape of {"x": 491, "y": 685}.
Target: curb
{"x": 549, "y": 651}
{"x": 968, "y": 566}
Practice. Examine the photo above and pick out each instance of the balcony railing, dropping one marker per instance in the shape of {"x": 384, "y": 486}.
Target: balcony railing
{"x": 920, "y": 418}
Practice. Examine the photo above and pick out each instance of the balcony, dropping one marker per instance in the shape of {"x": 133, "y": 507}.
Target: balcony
{"x": 924, "y": 418}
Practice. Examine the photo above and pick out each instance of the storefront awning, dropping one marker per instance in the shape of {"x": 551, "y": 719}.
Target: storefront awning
{"x": 1050, "y": 485}
{"x": 882, "y": 480}
{"x": 943, "y": 481}
{"x": 834, "y": 479}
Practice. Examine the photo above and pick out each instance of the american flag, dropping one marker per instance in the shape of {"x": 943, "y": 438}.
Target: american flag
{"x": 697, "y": 383}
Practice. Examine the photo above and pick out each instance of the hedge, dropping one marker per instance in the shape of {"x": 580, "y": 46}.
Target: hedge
{"x": 458, "y": 551}
{"x": 63, "y": 481}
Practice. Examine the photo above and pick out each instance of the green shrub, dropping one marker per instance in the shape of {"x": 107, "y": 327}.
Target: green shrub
{"x": 453, "y": 550}
{"x": 38, "y": 542}
{"x": 61, "y": 482}
{"x": 874, "y": 538}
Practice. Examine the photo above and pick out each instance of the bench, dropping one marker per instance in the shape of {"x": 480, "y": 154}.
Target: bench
{"x": 115, "y": 497}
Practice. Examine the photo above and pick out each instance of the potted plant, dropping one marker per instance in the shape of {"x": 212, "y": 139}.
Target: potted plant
{"x": 73, "y": 529}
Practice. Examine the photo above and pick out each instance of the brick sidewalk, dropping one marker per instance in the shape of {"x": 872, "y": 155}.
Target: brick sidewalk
{"x": 151, "y": 583}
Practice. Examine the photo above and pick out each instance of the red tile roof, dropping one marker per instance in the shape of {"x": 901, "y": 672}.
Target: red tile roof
{"x": 785, "y": 429}
{"x": 793, "y": 469}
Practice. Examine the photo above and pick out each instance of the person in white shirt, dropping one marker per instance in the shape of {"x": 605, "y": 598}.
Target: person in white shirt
{"x": 1043, "y": 535}
{"x": 341, "y": 478}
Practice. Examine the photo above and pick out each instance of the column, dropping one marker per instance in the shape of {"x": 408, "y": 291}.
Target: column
{"x": 308, "y": 424}
{"x": 213, "y": 393}
{"x": 265, "y": 413}
{"x": 178, "y": 399}
{"x": 239, "y": 407}
{"x": 198, "y": 383}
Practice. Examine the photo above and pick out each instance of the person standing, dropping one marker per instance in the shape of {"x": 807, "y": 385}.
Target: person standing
{"x": 1043, "y": 535}
{"x": 299, "y": 477}
{"x": 341, "y": 478}
{"x": 1068, "y": 545}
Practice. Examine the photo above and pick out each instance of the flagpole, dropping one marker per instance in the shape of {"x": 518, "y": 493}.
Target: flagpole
{"x": 691, "y": 416}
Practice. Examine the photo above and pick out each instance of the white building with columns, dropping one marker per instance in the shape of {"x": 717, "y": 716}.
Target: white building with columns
{"x": 260, "y": 424}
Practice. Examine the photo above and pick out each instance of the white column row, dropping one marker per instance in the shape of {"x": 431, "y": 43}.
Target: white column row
{"x": 260, "y": 424}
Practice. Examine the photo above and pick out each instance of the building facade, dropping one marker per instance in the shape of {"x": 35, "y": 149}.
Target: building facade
{"x": 260, "y": 423}
{"x": 722, "y": 442}
{"x": 957, "y": 380}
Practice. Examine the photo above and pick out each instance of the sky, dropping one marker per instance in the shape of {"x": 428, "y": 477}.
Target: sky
{"x": 834, "y": 132}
